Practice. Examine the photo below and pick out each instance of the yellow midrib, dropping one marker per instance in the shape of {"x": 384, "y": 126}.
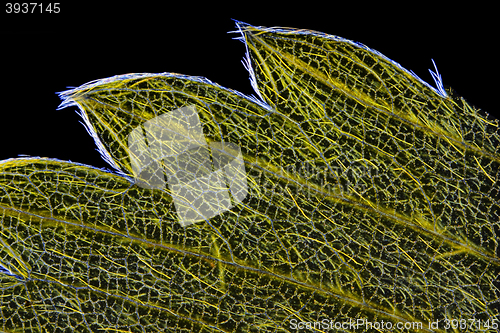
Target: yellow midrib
{"x": 363, "y": 204}
{"x": 236, "y": 265}
{"x": 368, "y": 101}
{"x": 367, "y": 205}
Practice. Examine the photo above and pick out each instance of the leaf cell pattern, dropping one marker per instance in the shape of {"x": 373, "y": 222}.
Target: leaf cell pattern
{"x": 371, "y": 196}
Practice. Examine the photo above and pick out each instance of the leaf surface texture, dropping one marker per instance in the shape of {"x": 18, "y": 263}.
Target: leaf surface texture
{"x": 371, "y": 195}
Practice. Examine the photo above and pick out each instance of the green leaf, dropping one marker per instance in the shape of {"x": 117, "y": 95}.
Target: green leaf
{"x": 371, "y": 196}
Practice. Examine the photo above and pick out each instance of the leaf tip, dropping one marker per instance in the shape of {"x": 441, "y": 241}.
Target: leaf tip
{"x": 438, "y": 80}
{"x": 66, "y": 98}
{"x": 247, "y": 63}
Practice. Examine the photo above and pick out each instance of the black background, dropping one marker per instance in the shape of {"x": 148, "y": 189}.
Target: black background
{"x": 45, "y": 53}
